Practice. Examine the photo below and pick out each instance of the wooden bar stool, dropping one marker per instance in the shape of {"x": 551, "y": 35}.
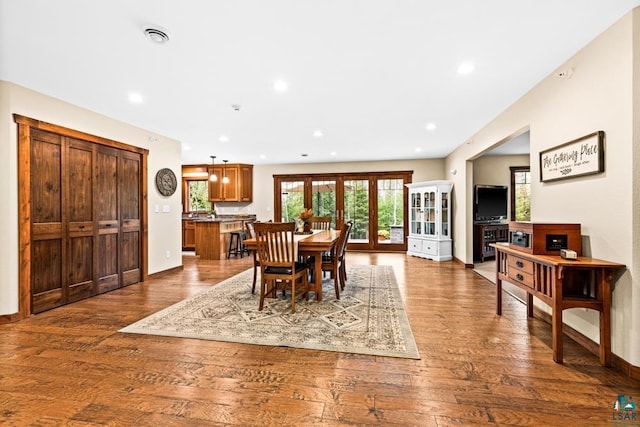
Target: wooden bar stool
{"x": 236, "y": 245}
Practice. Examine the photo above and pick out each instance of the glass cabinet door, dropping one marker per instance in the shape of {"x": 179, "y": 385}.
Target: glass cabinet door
{"x": 429, "y": 213}
{"x": 415, "y": 211}
{"x": 445, "y": 214}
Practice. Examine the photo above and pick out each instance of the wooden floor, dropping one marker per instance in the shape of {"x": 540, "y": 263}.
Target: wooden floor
{"x": 71, "y": 367}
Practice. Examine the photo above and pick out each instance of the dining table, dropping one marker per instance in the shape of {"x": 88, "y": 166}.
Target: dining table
{"x": 310, "y": 245}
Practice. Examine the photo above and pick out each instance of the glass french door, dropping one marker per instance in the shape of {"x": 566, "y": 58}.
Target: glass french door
{"x": 323, "y": 199}
{"x": 375, "y": 202}
{"x": 390, "y": 208}
{"x": 292, "y": 200}
{"x": 355, "y": 208}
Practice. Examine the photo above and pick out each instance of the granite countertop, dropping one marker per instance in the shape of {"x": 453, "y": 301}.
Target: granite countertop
{"x": 220, "y": 218}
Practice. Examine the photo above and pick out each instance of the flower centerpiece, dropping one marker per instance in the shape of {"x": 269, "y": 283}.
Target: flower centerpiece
{"x": 304, "y": 216}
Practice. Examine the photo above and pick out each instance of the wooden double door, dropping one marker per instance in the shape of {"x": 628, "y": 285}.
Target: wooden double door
{"x": 86, "y": 218}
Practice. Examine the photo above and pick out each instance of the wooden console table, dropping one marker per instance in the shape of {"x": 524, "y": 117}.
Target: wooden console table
{"x": 562, "y": 284}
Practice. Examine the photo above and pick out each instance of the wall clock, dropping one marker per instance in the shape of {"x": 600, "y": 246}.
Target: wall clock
{"x": 166, "y": 182}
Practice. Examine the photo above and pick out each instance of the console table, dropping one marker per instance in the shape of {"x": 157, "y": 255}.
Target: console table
{"x": 562, "y": 284}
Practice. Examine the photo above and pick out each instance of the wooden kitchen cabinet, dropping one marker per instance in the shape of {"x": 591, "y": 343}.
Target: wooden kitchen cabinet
{"x": 188, "y": 234}
{"x": 240, "y": 185}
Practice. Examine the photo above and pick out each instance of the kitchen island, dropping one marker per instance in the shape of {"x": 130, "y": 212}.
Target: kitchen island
{"x": 212, "y": 235}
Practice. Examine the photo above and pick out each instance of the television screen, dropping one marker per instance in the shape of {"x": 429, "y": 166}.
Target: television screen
{"x": 490, "y": 202}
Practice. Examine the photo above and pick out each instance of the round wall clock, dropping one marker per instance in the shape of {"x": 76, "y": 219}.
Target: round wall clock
{"x": 166, "y": 182}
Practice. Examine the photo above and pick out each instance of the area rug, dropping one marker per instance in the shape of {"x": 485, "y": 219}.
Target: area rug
{"x": 369, "y": 317}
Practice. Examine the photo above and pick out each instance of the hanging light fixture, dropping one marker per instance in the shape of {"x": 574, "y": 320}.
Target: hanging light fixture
{"x": 225, "y": 178}
{"x": 213, "y": 177}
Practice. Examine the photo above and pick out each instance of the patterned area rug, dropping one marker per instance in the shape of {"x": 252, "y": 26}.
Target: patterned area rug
{"x": 369, "y": 317}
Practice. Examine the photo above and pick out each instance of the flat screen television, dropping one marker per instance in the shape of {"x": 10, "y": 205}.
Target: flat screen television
{"x": 490, "y": 203}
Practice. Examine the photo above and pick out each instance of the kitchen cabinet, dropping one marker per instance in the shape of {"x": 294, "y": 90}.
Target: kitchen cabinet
{"x": 240, "y": 185}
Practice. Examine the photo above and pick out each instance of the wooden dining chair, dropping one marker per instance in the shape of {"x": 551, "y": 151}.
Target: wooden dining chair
{"x": 251, "y": 234}
{"x": 320, "y": 222}
{"x": 279, "y": 268}
{"x": 334, "y": 262}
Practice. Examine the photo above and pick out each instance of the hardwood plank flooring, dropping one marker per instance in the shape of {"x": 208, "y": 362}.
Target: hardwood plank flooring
{"x": 69, "y": 366}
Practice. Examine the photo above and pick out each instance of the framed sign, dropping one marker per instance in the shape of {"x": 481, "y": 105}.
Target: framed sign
{"x": 582, "y": 156}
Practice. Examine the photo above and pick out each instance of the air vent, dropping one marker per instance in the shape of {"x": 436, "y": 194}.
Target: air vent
{"x": 156, "y": 36}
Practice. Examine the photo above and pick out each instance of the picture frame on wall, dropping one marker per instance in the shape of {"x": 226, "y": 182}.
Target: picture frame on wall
{"x": 582, "y": 156}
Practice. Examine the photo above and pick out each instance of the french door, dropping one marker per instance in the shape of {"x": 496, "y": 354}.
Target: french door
{"x": 375, "y": 202}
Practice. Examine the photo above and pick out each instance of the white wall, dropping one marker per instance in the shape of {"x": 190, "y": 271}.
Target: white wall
{"x": 163, "y": 229}
{"x": 598, "y": 96}
{"x": 423, "y": 170}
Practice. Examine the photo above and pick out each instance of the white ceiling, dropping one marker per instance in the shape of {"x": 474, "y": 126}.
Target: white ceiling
{"x": 370, "y": 74}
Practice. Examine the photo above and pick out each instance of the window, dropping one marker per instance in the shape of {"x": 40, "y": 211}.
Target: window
{"x": 198, "y": 196}
{"x": 520, "y": 193}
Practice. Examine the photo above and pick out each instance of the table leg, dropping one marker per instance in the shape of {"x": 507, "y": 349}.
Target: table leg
{"x": 498, "y": 297}
{"x": 605, "y": 318}
{"x": 498, "y": 284}
{"x": 529, "y": 305}
{"x": 556, "y": 321}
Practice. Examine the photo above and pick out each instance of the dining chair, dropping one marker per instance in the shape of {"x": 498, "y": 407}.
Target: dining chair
{"x": 251, "y": 234}
{"x": 334, "y": 262}
{"x": 343, "y": 253}
{"x": 279, "y": 269}
{"x": 320, "y": 222}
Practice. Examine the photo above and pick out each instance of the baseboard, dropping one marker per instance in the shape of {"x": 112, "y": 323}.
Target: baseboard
{"x": 10, "y": 318}
{"x": 460, "y": 262}
{"x": 165, "y": 272}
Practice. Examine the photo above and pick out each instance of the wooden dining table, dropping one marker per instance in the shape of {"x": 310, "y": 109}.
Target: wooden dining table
{"x": 312, "y": 245}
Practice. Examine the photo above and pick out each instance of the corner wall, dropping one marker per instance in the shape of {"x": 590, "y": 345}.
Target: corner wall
{"x": 598, "y": 96}
{"x": 164, "y": 230}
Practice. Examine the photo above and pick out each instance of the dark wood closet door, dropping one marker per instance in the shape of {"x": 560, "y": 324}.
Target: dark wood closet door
{"x": 106, "y": 205}
{"x": 78, "y": 196}
{"x": 47, "y": 248}
{"x": 129, "y": 176}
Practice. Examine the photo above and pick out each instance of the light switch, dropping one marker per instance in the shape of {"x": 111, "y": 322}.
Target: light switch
{"x": 157, "y": 208}
{"x": 166, "y": 208}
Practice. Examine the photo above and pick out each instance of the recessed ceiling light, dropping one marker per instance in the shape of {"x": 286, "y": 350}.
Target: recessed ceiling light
{"x": 304, "y": 155}
{"x": 223, "y": 138}
{"x": 466, "y": 68}
{"x": 280, "y": 86}
{"x": 431, "y": 126}
{"x": 156, "y": 36}
{"x": 263, "y": 156}
{"x": 333, "y": 153}
{"x": 418, "y": 149}
{"x": 135, "y": 98}
{"x": 317, "y": 133}
{"x": 186, "y": 148}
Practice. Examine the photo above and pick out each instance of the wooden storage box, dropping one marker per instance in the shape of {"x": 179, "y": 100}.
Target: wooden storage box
{"x": 544, "y": 239}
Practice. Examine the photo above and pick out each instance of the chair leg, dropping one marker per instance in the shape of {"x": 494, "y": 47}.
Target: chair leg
{"x": 343, "y": 275}
{"x": 263, "y": 285}
{"x": 255, "y": 273}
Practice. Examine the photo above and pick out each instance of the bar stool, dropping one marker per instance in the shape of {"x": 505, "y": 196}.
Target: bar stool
{"x": 236, "y": 245}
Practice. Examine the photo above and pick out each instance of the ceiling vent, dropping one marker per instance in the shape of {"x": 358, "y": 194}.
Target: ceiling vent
{"x": 156, "y": 36}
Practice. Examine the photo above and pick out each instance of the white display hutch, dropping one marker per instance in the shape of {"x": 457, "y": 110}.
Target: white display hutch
{"x": 430, "y": 220}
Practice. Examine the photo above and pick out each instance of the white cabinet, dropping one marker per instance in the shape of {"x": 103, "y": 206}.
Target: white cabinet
{"x": 430, "y": 220}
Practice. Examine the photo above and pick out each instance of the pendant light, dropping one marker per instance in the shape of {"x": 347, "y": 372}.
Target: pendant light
{"x": 213, "y": 177}
{"x": 225, "y": 178}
